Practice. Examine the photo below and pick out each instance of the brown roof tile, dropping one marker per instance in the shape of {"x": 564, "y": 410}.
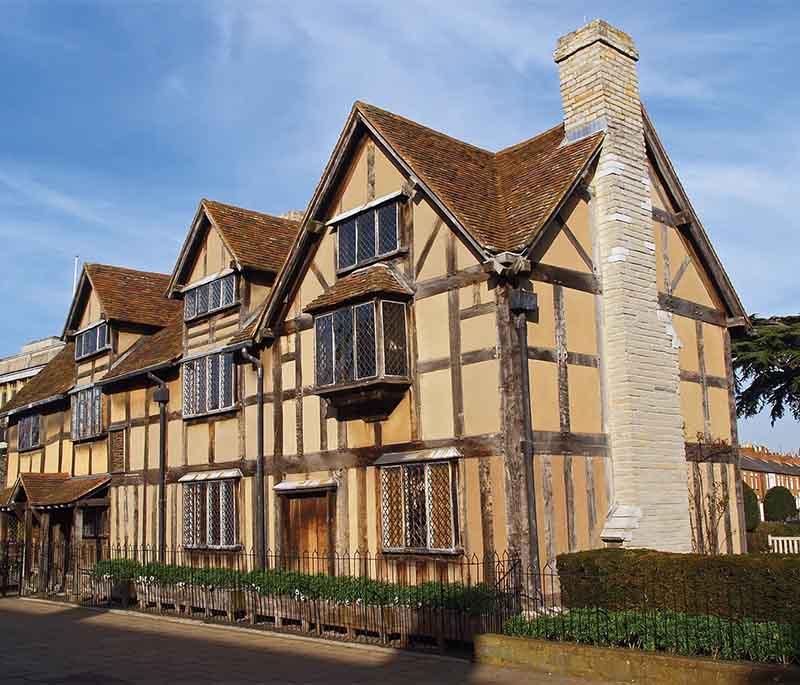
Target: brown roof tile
{"x": 5, "y": 495}
{"x": 132, "y": 296}
{"x": 56, "y": 378}
{"x": 258, "y": 241}
{"x": 44, "y": 489}
{"x": 503, "y": 199}
{"x": 162, "y": 347}
{"x": 373, "y": 280}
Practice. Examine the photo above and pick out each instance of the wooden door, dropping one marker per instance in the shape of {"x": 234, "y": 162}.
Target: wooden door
{"x": 309, "y": 531}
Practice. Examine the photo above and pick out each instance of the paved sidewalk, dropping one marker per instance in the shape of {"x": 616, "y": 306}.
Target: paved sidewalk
{"x": 46, "y": 643}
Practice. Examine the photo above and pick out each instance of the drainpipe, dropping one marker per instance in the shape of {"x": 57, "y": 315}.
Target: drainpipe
{"x": 161, "y": 396}
{"x": 261, "y": 537}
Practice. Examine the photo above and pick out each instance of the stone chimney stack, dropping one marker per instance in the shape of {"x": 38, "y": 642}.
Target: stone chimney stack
{"x": 600, "y": 92}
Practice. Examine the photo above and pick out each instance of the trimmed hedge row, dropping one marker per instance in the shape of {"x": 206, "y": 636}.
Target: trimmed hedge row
{"x": 347, "y": 590}
{"x": 760, "y": 587}
{"x": 666, "y": 631}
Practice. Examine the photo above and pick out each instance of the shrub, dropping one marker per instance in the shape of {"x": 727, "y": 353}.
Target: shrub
{"x": 779, "y": 504}
{"x": 758, "y": 540}
{"x": 762, "y": 587}
{"x": 666, "y": 631}
{"x": 117, "y": 570}
{"x": 752, "y": 512}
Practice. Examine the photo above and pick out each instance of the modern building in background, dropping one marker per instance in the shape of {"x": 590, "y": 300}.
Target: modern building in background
{"x": 763, "y": 469}
{"x": 16, "y": 371}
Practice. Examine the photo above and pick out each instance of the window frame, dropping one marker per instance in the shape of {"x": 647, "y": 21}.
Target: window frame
{"x": 22, "y": 429}
{"x": 396, "y": 201}
{"x": 96, "y": 403}
{"x": 378, "y": 344}
{"x": 207, "y": 376}
{"x": 92, "y": 328}
{"x": 455, "y": 534}
{"x": 193, "y": 290}
{"x": 206, "y": 514}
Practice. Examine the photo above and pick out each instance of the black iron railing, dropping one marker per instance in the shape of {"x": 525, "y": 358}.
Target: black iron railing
{"x": 439, "y": 603}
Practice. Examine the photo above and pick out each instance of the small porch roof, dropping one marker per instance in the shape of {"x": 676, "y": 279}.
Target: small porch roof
{"x": 50, "y": 490}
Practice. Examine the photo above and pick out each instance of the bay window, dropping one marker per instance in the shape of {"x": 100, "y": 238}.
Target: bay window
{"x": 361, "y": 341}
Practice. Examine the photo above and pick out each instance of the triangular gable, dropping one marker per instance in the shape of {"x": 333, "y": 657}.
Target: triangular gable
{"x": 687, "y": 218}
{"x": 127, "y": 295}
{"x": 255, "y": 241}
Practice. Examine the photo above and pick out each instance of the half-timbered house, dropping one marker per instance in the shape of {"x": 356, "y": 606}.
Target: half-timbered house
{"x": 454, "y": 351}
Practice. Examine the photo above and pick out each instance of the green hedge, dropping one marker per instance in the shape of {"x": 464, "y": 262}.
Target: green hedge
{"x": 752, "y": 513}
{"x": 760, "y": 587}
{"x": 758, "y": 540}
{"x": 666, "y": 631}
{"x": 779, "y": 504}
{"x": 475, "y": 599}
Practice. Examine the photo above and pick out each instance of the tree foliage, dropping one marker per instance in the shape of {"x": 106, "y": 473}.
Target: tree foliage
{"x": 779, "y": 504}
{"x": 752, "y": 514}
{"x": 767, "y": 365}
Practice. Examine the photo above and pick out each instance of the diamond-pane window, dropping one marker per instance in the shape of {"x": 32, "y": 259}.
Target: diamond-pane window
{"x": 366, "y": 236}
{"x": 209, "y": 384}
{"x": 28, "y": 432}
{"x": 366, "y": 363}
{"x": 394, "y": 339}
{"x": 324, "y": 340}
{"x": 214, "y": 289}
{"x": 387, "y": 228}
{"x": 213, "y": 382}
{"x": 347, "y": 244}
{"x": 87, "y": 413}
{"x": 209, "y": 514}
{"x": 190, "y": 305}
{"x": 418, "y": 507}
{"x": 343, "y": 345}
{"x": 228, "y": 290}
{"x": 202, "y": 300}
{"x": 92, "y": 340}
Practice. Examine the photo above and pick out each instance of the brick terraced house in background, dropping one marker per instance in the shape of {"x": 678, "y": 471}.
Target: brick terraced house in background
{"x": 452, "y": 351}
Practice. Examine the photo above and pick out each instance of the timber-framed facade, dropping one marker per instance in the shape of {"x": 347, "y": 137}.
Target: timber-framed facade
{"x": 431, "y": 362}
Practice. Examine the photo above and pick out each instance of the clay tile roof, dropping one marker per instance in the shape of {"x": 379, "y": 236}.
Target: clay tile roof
{"x": 150, "y": 351}
{"x": 5, "y": 495}
{"x": 258, "y": 241}
{"x": 761, "y": 459}
{"x": 43, "y": 489}
{"x": 503, "y": 199}
{"x": 132, "y": 296}
{"x": 373, "y": 280}
{"x": 55, "y": 379}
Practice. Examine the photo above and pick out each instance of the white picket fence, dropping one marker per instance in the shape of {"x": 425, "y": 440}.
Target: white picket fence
{"x": 784, "y": 545}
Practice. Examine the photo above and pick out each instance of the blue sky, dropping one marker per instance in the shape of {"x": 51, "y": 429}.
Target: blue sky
{"x": 116, "y": 118}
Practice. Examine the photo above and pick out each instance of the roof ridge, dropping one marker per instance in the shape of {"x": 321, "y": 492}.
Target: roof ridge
{"x": 124, "y": 268}
{"x": 526, "y": 141}
{"x": 359, "y": 103}
{"x": 251, "y": 211}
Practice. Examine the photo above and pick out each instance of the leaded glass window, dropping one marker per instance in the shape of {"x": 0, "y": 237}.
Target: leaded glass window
{"x": 395, "y": 341}
{"x": 208, "y": 384}
{"x": 209, "y": 297}
{"x": 347, "y": 341}
{"x": 87, "y": 413}
{"x": 370, "y": 234}
{"x": 418, "y": 506}
{"x": 88, "y": 342}
{"x": 28, "y": 432}
{"x": 209, "y": 514}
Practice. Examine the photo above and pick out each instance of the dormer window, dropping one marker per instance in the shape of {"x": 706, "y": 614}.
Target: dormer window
{"x": 368, "y": 235}
{"x": 209, "y": 297}
{"x": 92, "y": 340}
